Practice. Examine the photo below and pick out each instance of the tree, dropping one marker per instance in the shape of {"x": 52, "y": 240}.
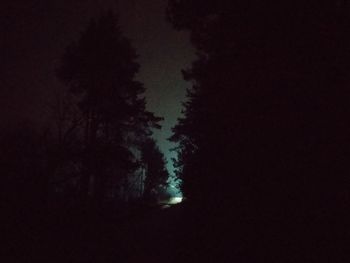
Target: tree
{"x": 24, "y": 187}
{"x": 100, "y": 69}
{"x": 64, "y": 142}
{"x": 265, "y": 123}
{"x": 156, "y": 174}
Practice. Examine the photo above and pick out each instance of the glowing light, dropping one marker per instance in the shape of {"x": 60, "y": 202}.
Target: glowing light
{"x": 175, "y": 200}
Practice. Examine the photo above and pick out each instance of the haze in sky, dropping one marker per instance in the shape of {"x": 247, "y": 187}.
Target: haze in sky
{"x": 36, "y": 33}
{"x": 163, "y": 53}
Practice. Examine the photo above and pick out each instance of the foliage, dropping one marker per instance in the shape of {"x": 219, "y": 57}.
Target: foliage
{"x": 100, "y": 69}
{"x": 23, "y": 167}
{"x": 156, "y": 174}
{"x": 266, "y": 120}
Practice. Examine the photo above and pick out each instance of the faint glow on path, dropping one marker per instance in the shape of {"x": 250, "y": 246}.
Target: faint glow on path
{"x": 171, "y": 201}
{"x": 175, "y": 200}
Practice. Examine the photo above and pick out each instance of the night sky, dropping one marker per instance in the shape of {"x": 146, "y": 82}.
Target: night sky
{"x": 35, "y": 33}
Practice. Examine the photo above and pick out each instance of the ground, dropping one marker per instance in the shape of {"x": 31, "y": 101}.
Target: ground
{"x": 181, "y": 233}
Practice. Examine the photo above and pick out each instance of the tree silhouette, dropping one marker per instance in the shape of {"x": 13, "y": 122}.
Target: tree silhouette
{"x": 265, "y": 124}
{"x": 100, "y": 69}
{"x": 156, "y": 175}
{"x": 264, "y": 141}
{"x": 24, "y": 188}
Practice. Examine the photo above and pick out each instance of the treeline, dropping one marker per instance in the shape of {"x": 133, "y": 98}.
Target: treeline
{"x": 266, "y": 123}
{"x": 98, "y": 147}
{"x": 264, "y": 142}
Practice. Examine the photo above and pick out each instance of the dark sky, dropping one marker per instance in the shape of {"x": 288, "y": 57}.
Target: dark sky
{"x": 34, "y": 34}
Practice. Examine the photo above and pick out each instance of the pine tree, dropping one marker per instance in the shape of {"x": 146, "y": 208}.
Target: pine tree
{"x": 156, "y": 174}
{"x": 266, "y": 118}
{"x": 100, "y": 70}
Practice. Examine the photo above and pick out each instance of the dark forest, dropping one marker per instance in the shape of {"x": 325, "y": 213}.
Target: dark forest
{"x": 262, "y": 166}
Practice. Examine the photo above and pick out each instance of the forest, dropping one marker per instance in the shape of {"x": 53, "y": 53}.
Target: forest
{"x": 263, "y": 144}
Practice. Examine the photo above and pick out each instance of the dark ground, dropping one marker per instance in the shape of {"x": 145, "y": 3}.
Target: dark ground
{"x": 126, "y": 235}
{"x": 182, "y": 233}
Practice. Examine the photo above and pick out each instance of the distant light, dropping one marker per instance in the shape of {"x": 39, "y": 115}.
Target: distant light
{"x": 165, "y": 206}
{"x": 175, "y": 200}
